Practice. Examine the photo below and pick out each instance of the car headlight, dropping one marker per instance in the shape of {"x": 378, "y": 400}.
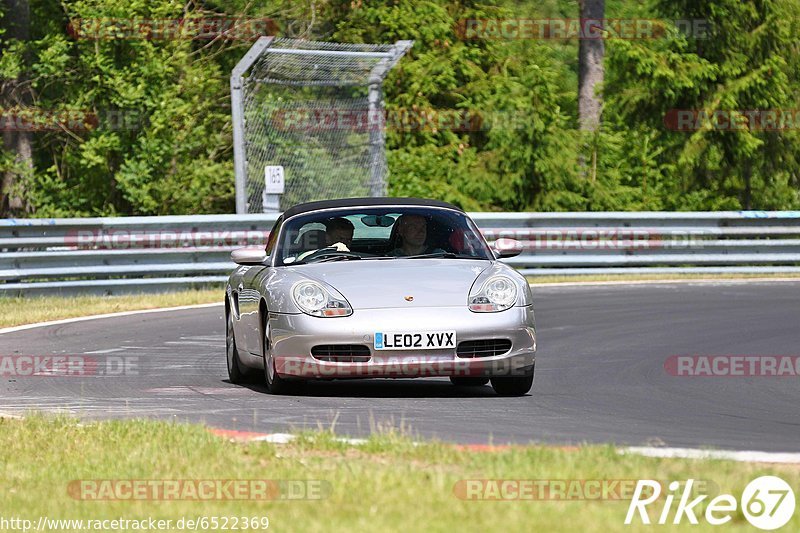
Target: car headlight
{"x": 497, "y": 293}
{"x": 315, "y": 300}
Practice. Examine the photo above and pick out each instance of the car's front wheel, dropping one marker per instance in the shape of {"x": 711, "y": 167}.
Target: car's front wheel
{"x": 237, "y": 373}
{"x": 463, "y": 381}
{"x": 275, "y": 383}
{"x": 513, "y": 385}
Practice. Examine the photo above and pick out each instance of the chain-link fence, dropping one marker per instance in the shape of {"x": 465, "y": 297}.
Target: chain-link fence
{"x": 315, "y": 111}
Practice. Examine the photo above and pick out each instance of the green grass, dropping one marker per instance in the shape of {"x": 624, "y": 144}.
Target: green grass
{"x": 18, "y": 310}
{"x": 388, "y": 484}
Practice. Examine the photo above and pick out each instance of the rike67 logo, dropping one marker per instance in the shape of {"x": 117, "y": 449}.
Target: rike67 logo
{"x": 767, "y": 502}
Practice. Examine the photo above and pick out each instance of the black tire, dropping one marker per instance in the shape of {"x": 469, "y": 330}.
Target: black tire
{"x": 513, "y": 385}
{"x": 276, "y": 384}
{"x": 463, "y": 381}
{"x": 237, "y": 372}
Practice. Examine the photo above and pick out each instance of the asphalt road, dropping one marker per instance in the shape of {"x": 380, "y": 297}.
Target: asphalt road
{"x": 600, "y": 375}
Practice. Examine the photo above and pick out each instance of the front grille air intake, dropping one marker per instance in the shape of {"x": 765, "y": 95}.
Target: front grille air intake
{"x": 483, "y": 348}
{"x": 341, "y": 353}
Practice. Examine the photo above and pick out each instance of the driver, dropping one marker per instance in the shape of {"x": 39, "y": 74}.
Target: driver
{"x": 338, "y": 235}
{"x": 339, "y": 231}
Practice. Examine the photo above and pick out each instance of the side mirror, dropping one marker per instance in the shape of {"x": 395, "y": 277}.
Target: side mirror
{"x": 505, "y": 247}
{"x": 250, "y": 255}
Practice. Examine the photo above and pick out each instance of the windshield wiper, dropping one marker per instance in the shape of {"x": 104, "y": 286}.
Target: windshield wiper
{"x": 447, "y": 255}
{"x": 332, "y": 258}
{"x": 325, "y": 258}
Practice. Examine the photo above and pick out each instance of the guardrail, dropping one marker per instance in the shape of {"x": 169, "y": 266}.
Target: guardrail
{"x": 112, "y": 255}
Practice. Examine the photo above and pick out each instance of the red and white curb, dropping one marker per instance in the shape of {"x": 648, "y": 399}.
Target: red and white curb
{"x": 660, "y": 452}
{"x": 273, "y": 438}
{"x": 670, "y": 453}
{"x": 729, "y": 455}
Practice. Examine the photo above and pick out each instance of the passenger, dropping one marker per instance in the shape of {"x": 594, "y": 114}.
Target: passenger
{"x": 413, "y": 233}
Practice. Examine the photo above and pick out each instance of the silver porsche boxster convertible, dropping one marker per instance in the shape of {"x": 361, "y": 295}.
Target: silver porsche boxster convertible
{"x": 377, "y": 288}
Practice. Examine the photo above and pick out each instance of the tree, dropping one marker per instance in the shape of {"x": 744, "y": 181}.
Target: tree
{"x": 590, "y": 64}
{"x": 159, "y": 135}
{"x": 15, "y": 94}
{"x": 744, "y": 59}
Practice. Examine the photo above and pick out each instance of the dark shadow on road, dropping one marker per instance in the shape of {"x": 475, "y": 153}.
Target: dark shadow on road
{"x": 385, "y": 388}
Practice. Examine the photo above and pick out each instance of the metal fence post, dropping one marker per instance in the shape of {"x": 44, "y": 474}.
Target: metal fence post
{"x": 301, "y": 105}
{"x": 375, "y": 122}
{"x": 237, "y": 115}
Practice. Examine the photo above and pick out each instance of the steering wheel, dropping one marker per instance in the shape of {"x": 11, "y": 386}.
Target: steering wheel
{"x": 329, "y": 251}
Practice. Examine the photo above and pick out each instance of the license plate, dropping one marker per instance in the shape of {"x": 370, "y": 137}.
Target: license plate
{"x": 423, "y": 340}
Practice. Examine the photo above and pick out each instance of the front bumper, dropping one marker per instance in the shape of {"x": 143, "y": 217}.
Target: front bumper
{"x": 293, "y": 337}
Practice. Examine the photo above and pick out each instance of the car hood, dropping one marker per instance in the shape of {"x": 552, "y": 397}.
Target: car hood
{"x": 380, "y": 284}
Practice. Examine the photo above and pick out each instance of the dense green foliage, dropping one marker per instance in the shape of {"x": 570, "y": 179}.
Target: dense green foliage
{"x": 175, "y": 156}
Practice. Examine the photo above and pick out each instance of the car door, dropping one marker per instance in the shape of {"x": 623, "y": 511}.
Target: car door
{"x": 234, "y": 282}
{"x": 250, "y": 297}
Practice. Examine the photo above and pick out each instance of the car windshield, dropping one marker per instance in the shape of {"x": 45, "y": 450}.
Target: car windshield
{"x": 387, "y": 232}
